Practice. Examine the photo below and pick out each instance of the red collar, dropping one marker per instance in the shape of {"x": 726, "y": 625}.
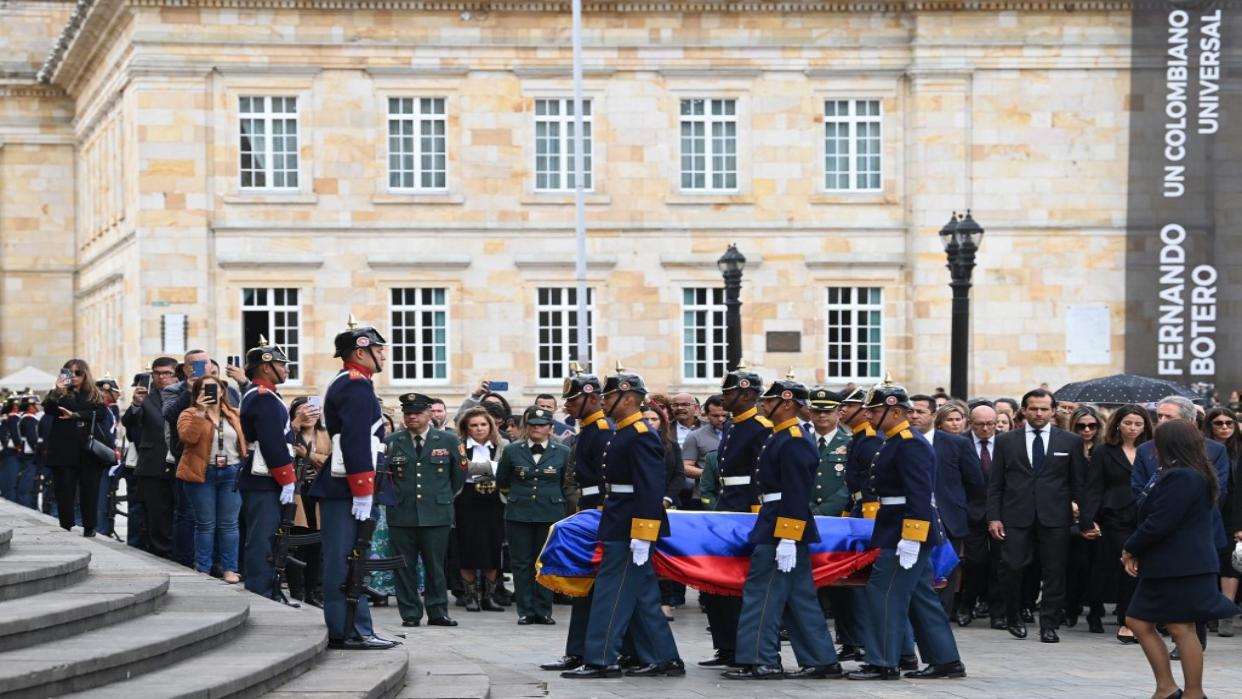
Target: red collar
{"x": 265, "y": 384}
{"x": 353, "y": 366}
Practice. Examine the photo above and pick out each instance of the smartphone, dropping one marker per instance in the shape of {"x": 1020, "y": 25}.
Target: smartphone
{"x": 234, "y": 360}
{"x": 199, "y": 367}
{"x": 314, "y": 402}
{"x": 211, "y": 392}
{"x": 66, "y": 376}
{"x": 497, "y": 386}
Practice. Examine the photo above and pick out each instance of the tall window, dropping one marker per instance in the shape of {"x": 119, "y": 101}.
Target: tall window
{"x": 276, "y": 315}
{"x": 855, "y": 332}
{"x": 554, "y": 144}
{"x": 557, "y": 313}
{"x": 269, "y": 142}
{"x": 852, "y": 145}
{"x": 703, "y": 340}
{"x": 708, "y": 144}
{"x": 420, "y": 334}
{"x": 416, "y": 143}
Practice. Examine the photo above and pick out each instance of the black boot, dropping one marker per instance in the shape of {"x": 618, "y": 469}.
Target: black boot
{"x": 500, "y": 595}
{"x": 486, "y": 602}
{"x": 470, "y": 593}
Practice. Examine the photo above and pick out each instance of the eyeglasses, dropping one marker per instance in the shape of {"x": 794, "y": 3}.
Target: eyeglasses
{"x": 984, "y": 424}
{"x": 1222, "y": 423}
{"x": 683, "y": 405}
{"x": 1085, "y": 426}
{"x": 162, "y": 373}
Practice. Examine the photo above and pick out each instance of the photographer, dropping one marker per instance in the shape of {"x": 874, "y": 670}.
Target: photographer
{"x": 311, "y": 448}
{"x": 79, "y": 415}
{"x": 212, "y": 452}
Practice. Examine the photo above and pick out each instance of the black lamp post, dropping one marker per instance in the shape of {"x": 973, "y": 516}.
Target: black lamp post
{"x": 961, "y": 237}
{"x": 731, "y": 265}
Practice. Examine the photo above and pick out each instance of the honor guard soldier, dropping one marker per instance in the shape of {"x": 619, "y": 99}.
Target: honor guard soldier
{"x": 581, "y": 394}
{"x": 532, "y": 476}
{"x": 429, "y": 468}
{"x": 779, "y": 587}
{"x": 626, "y": 589}
{"x": 8, "y": 453}
{"x": 267, "y": 479}
{"x": 348, "y": 487}
{"x": 831, "y": 497}
{"x": 735, "y": 492}
{"x": 900, "y": 592}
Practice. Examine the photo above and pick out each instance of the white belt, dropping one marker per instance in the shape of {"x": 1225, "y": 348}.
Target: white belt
{"x": 735, "y": 480}
{"x": 898, "y": 500}
{"x": 771, "y": 497}
{"x": 619, "y": 488}
{"x": 591, "y": 490}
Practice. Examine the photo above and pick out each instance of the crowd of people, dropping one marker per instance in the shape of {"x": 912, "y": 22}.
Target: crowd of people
{"x": 1055, "y": 509}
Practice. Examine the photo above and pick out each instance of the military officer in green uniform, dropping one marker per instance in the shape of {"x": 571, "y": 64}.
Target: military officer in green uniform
{"x": 831, "y": 496}
{"x": 429, "y": 468}
{"x": 532, "y": 476}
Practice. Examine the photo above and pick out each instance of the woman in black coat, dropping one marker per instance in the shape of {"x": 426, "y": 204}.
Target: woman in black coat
{"x": 1107, "y": 511}
{"x": 1221, "y": 425}
{"x": 1173, "y": 556}
{"x": 76, "y": 407}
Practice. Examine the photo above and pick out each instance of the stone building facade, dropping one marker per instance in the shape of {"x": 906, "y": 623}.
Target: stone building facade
{"x": 270, "y": 166}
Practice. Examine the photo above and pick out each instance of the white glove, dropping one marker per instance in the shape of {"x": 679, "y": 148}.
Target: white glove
{"x": 362, "y": 508}
{"x": 907, "y": 553}
{"x": 786, "y": 555}
{"x": 640, "y": 550}
{"x": 113, "y": 471}
{"x": 286, "y": 494}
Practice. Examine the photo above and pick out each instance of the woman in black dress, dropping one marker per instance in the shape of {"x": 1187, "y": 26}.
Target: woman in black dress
{"x": 1173, "y": 556}
{"x": 1221, "y": 425}
{"x": 1088, "y": 425}
{"x": 76, "y": 407}
{"x": 1107, "y": 511}
{"x": 478, "y": 510}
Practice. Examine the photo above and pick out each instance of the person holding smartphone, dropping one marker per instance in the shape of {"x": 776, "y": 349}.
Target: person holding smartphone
{"x": 78, "y": 412}
{"x": 212, "y": 453}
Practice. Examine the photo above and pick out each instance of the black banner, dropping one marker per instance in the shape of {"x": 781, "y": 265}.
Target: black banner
{"x": 1183, "y": 263}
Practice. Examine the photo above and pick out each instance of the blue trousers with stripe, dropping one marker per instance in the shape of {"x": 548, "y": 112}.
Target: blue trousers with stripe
{"x": 771, "y": 598}
{"x": 627, "y": 596}
{"x": 901, "y": 598}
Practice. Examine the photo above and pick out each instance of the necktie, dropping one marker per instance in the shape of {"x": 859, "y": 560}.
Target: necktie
{"x": 1037, "y": 451}
{"x": 985, "y": 458}
{"x": 418, "y": 446}
{"x": 536, "y": 449}
{"x": 823, "y": 443}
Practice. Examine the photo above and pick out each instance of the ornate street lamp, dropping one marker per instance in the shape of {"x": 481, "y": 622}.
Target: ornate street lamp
{"x": 731, "y": 264}
{"x": 961, "y": 237}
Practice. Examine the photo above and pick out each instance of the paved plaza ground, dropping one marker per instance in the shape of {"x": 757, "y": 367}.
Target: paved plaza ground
{"x": 1082, "y": 665}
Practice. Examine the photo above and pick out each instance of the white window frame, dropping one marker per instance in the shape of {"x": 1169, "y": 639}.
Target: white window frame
{"x": 854, "y": 307}
{"x": 276, "y": 335}
{"x": 853, "y": 122}
{"x": 422, "y": 116}
{"x": 569, "y": 347}
{"x": 564, "y": 123}
{"x": 717, "y": 359}
{"x": 709, "y": 121}
{"x": 419, "y": 307}
{"x": 270, "y": 120}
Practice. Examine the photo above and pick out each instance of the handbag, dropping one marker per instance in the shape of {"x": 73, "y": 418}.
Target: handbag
{"x": 103, "y": 453}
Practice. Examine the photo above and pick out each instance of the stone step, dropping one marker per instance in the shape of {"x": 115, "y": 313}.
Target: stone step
{"x": 6, "y": 536}
{"x": 99, "y": 600}
{"x": 185, "y": 627}
{"x": 26, "y": 569}
{"x": 343, "y": 674}
{"x": 276, "y": 645}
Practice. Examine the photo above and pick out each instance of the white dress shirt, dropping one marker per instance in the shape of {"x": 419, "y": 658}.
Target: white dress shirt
{"x": 1046, "y": 432}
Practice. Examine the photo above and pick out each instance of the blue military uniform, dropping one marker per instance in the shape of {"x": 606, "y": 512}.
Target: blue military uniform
{"x": 26, "y": 441}
{"x": 9, "y": 438}
{"x": 265, "y": 424}
{"x": 770, "y": 597}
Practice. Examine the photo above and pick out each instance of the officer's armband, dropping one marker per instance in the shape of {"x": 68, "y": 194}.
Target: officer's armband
{"x": 789, "y": 528}
{"x": 915, "y": 529}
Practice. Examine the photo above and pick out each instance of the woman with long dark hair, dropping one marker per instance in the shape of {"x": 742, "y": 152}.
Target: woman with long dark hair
{"x": 1174, "y": 558}
{"x": 479, "y": 511}
{"x": 312, "y": 447}
{"x": 1087, "y": 424}
{"x": 1107, "y": 512}
{"x": 1221, "y": 425}
{"x": 77, "y": 413}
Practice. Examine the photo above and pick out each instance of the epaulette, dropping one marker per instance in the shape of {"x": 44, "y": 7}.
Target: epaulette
{"x": 641, "y": 427}
{"x": 906, "y": 434}
{"x": 764, "y": 421}
{"x": 869, "y": 431}
{"x": 354, "y": 375}
{"x": 601, "y": 424}
{"x": 796, "y": 432}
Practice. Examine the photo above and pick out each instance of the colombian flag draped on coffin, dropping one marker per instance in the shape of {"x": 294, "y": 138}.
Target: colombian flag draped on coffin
{"x": 708, "y": 551}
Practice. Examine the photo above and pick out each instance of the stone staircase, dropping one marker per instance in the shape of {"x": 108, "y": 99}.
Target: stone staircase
{"x": 93, "y": 618}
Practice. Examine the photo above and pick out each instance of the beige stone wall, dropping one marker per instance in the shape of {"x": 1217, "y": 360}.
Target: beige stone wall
{"x": 1018, "y": 115}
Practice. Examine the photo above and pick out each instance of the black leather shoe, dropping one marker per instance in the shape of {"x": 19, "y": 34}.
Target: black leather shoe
{"x": 719, "y": 660}
{"x": 947, "y": 671}
{"x": 1049, "y": 635}
{"x": 411, "y": 622}
{"x": 1127, "y": 640}
{"x": 526, "y": 620}
{"x": 784, "y": 635}
{"x": 964, "y": 617}
{"x": 567, "y": 662}
{"x": 1017, "y": 630}
{"x": 908, "y": 662}
{"x": 625, "y": 662}
{"x": 874, "y": 672}
{"x": 850, "y": 653}
{"x": 1027, "y": 615}
{"x": 818, "y": 672}
{"x": 545, "y": 620}
{"x": 88, "y": 533}
{"x": 441, "y": 621}
{"x": 999, "y": 624}
{"x": 592, "y": 672}
{"x": 1095, "y": 624}
{"x": 370, "y": 643}
{"x": 755, "y": 672}
{"x": 668, "y": 668}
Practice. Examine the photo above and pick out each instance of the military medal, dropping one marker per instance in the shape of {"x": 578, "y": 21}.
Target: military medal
{"x": 839, "y": 468}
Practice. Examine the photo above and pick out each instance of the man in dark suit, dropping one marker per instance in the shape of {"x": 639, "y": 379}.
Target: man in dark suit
{"x": 957, "y": 476}
{"x": 1029, "y": 495}
{"x": 1178, "y": 408}
{"x": 982, "y": 563}
{"x": 154, "y": 474}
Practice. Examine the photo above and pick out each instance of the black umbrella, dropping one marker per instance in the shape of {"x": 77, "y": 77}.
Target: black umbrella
{"x": 1122, "y": 388}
